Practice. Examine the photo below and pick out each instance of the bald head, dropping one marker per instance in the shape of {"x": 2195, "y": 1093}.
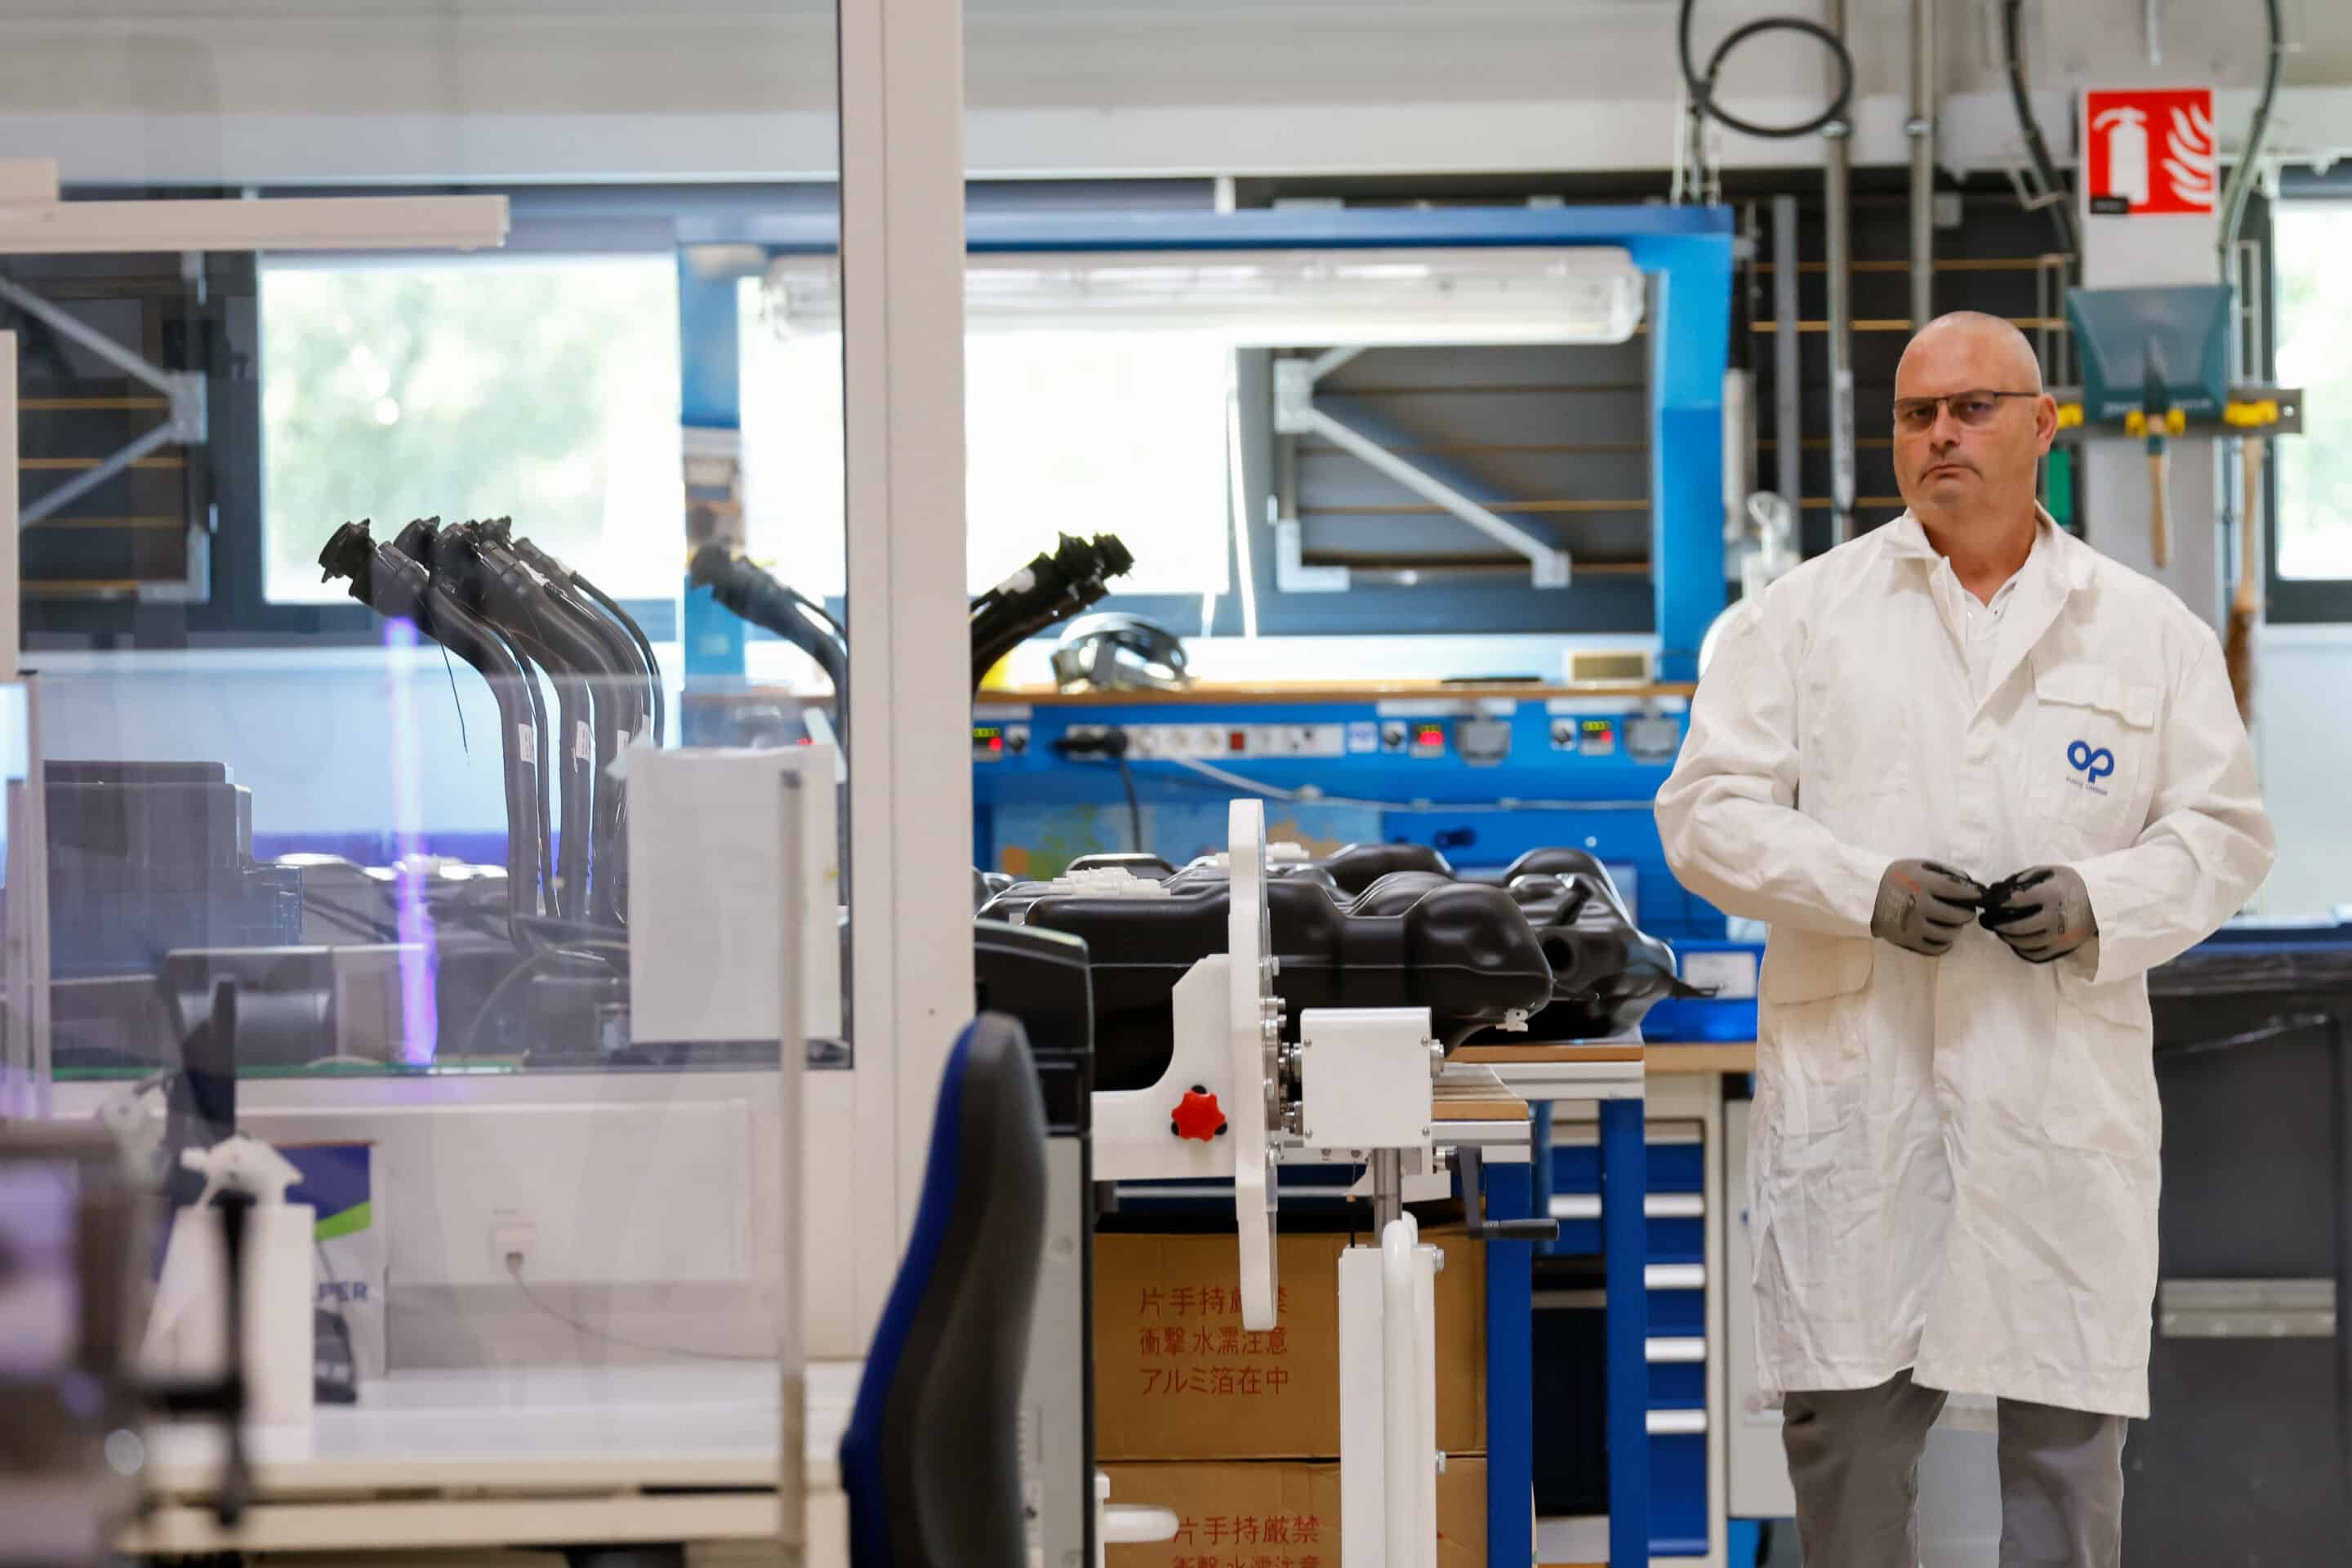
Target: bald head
{"x": 1969, "y": 337}
{"x": 1971, "y": 424}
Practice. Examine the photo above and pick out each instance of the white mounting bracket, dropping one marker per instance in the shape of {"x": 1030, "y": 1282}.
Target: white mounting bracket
{"x": 1295, "y": 413}
{"x": 1253, "y": 1036}
{"x": 1291, "y": 572}
{"x": 1227, "y": 1043}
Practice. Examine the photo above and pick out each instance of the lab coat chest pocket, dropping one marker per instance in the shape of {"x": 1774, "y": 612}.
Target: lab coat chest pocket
{"x": 2088, "y": 762}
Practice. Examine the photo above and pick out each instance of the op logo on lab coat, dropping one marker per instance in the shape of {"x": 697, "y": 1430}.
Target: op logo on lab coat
{"x": 2094, "y": 765}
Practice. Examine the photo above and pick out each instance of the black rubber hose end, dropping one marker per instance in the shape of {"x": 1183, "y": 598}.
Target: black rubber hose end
{"x": 350, "y": 555}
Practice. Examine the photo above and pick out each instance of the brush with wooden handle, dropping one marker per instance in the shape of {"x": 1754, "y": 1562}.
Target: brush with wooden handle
{"x": 2156, "y": 406}
{"x": 2246, "y": 604}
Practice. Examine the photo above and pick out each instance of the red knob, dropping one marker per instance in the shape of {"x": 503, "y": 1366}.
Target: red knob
{"x": 1197, "y": 1116}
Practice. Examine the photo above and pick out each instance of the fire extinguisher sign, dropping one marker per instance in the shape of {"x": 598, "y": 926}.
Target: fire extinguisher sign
{"x": 2150, "y": 151}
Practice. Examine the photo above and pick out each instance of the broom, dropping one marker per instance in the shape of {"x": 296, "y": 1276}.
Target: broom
{"x": 2246, "y": 604}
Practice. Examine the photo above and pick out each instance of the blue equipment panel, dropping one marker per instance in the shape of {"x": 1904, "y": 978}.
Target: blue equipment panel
{"x": 1482, "y": 778}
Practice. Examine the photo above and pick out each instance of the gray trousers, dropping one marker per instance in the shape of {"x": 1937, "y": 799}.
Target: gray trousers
{"x": 1854, "y": 1458}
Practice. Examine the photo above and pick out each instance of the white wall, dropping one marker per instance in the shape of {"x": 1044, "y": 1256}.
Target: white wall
{"x": 2303, "y": 733}
{"x": 503, "y": 89}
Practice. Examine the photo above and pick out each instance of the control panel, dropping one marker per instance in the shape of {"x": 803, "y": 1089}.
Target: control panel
{"x": 1590, "y": 737}
{"x": 1208, "y": 743}
{"x": 1057, "y": 779}
{"x": 994, "y": 742}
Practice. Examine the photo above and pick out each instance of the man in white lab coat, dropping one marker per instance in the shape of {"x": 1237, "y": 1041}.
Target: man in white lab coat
{"x": 1978, "y": 779}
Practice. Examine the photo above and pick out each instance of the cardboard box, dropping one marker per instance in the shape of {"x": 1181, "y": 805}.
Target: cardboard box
{"x": 1276, "y": 1514}
{"x": 1176, "y": 1376}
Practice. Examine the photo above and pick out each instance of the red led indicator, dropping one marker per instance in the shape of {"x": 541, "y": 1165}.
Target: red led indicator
{"x": 996, "y": 744}
{"x": 1236, "y": 741}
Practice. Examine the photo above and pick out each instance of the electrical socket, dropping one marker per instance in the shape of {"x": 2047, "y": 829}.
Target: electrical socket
{"x": 511, "y": 1241}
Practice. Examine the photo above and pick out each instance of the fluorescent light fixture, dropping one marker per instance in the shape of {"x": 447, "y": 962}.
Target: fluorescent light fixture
{"x": 1554, "y": 294}
{"x": 35, "y": 222}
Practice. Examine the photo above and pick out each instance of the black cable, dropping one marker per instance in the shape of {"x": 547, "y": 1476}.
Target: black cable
{"x": 2242, "y": 178}
{"x": 495, "y": 584}
{"x": 514, "y": 1272}
{"x": 521, "y": 971}
{"x": 636, "y": 634}
{"x": 1702, "y": 86}
{"x": 1134, "y": 811}
{"x": 347, "y": 919}
{"x": 387, "y": 581}
{"x": 2061, "y": 214}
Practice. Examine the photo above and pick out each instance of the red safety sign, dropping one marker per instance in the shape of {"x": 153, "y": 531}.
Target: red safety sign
{"x": 2150, "y": 150}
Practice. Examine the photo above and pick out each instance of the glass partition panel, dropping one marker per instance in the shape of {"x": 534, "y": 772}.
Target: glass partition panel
{"x": 400, "y": 888}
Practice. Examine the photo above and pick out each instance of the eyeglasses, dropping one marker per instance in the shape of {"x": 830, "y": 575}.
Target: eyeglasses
{"x": 1974, "y": 409}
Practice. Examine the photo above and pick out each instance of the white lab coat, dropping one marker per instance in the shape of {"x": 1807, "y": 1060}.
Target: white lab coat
{"x": 1954, "y": 1165}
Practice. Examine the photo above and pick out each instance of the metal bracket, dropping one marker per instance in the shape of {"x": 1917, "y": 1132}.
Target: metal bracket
{"x": 2253, "y": 409}
{"x": 187, "y": 423}
{"x": 1470, "y": 1163}
{"x": 1295, "y": 413}
{"x": 1291, "y": 572}
{"x": 2246, "y": 1308}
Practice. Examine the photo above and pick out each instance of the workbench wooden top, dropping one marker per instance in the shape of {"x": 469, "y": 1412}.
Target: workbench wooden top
{"x": 1668, "y": 1057}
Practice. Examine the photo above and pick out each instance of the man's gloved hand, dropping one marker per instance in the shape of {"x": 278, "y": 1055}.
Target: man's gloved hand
{"x": 1922, "y": 906}
{"x": 2042, "y": 913}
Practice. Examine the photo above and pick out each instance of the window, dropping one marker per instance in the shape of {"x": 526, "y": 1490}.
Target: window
{"x": 1066, "y": 431}
{"x": 2315, "y": 352}
{"x": 544, "y": 389}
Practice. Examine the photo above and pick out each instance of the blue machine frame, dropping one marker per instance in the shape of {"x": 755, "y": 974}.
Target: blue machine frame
{"x": 1686, "y": 250}
{"x": 1602, "y": 799}
{"x": 1592, "y": 789}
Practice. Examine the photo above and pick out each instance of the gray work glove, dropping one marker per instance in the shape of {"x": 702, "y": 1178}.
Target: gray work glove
{"x": 2042, "y": 913}
{"x": 1922, "y": 906}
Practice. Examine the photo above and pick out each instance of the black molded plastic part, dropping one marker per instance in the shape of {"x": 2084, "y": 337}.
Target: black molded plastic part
{"x": 1358, "y": 865}
{"x": 1139, "y": 865}
{"x": 1465, "y": 953}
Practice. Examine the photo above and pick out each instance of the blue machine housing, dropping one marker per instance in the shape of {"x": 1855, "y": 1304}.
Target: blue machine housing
{"x": 1042, "y": 793}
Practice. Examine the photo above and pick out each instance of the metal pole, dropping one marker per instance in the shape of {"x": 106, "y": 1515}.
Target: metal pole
{"x": 11, "y": 571}
{"x": 1838, "y": 244}
{"x": 1788, "y": 422}
{"x": 792, "y": 1061}
{"x": 1387, "y": 1186}
{"x": 1923, "y": 162}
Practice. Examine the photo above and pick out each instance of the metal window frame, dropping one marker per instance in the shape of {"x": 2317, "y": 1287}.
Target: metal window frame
{"x": 2291, "y": 601}
{"x": 902, "y": 242}
{"x": 1687, "y": 249}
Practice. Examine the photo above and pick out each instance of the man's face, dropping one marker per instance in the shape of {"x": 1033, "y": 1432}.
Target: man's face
{"x": 1968, "y": 458}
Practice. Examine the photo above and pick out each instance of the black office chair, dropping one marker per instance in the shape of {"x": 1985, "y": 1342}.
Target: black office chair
{"x": 932, "y": 1459}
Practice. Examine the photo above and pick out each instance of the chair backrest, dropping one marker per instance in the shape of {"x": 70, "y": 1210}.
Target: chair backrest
{"x": 932, "y": 1459}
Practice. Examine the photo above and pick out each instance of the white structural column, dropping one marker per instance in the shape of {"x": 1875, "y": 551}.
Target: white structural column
{"x": 910, "y": 701}
{"x": 12, "y": 583}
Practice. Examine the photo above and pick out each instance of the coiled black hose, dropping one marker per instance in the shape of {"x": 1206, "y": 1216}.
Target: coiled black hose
{"x": 1702, "y": 84}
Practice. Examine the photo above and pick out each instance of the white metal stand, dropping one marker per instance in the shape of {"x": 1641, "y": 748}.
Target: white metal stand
{"x": 1362, "y": 1079}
